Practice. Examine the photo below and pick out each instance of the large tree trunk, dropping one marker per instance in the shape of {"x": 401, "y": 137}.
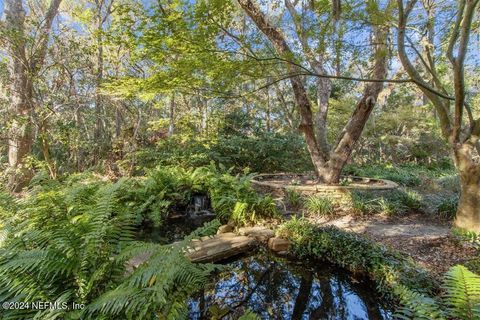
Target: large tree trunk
{"x": 354, "y": 128}
{"x": 468, "y": 211}
{"x": 20, "y": 135}
{"x": 22, "y": 73}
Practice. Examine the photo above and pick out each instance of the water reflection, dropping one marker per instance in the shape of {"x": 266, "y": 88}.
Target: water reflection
{"x": 277, "y": 289}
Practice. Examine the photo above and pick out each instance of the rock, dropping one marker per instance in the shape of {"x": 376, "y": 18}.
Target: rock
{"x": 225, "y": 228}
{"x": 258, "y": 232}
{"x": 278, "y": 244}
{"x": 220, "y": 247}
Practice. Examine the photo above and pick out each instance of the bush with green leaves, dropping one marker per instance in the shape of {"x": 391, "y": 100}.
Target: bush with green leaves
{"x": 319, "y": 205}
{"x": 447, "y": 208}
{"x": 72, "y": 246}
{"x": 395, "y": 274}
{"x": 356, "y": 254}
{"x": 259, "y": 152}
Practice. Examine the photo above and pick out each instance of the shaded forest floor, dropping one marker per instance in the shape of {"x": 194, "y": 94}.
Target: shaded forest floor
{"x": 425, "y": 240}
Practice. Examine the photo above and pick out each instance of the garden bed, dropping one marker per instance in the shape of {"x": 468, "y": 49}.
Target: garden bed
{"x": 307, "y": 184}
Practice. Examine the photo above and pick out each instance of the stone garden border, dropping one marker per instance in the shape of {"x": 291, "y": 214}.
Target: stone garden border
{"x": 261, "y": 182}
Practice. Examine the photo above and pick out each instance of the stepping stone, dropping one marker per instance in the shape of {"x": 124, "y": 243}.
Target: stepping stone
{"x": 278, "y": 244}
{"x": 258, "y": 232}
{"x": 220, "y": 247}
{"x": 225, "y": 228}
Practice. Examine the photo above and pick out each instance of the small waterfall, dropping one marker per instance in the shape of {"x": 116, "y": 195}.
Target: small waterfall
{"x": 198, "y": 211}
{"x": 199, "y": 203}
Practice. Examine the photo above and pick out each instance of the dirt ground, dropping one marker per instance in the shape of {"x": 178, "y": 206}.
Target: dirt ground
{"x": 428, "y": 242}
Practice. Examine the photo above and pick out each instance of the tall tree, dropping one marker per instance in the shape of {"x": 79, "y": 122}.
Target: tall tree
{"x": 452, "y": 111}
{"x": 328, "y": 164}
{"x": 24, "y": 68}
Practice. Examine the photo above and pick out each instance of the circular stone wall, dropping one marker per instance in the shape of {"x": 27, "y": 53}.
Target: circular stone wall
{"x": 306, "y": 184}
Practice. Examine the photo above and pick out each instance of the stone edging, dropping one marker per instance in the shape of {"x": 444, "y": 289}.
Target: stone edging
{"x": 386, "y": 184}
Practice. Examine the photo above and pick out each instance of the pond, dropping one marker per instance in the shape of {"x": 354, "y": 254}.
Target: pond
{"x": 276, "y": 288}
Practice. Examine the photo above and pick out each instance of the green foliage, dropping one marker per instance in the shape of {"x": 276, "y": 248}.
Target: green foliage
{"x": 262, "y": 152}
{"x": 392, "y": 203}
{"x": 249, "y": 315}
{"x": 158, "y": 288}
{"x": 460, "y": 301}
{"x": 409, "y": 175}
{"x": 319, "y": 205}
{"x": 233, "y": 198}
{"x": 462, "y": 293}
{"x": 293, "y": 198}
{"x": 417, "y": 306}
{"x": 356, "y": 254}
{"x": 72, "y": 244}
{"x": 447, "y": 208}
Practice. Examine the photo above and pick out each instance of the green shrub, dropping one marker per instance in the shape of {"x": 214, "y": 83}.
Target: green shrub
{"x": 356, "y": 254}
{"x": 233, "y": 197}
{"x": 447, "y": 208}
{"x": 259, "y": 152}
{"x": 319, "y": 205}
{"x": 409, "y": 198}
{"x": 450, "y": 182}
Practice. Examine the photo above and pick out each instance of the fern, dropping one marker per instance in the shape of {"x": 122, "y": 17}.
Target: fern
{"x": 460, "y": 301}
{"x": 462, "y": 293}
{"x": 417, "y": 306}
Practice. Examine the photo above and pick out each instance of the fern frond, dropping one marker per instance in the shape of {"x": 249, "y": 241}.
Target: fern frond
{"x": 463, "y": 293}
{"x": 417, "y": 306}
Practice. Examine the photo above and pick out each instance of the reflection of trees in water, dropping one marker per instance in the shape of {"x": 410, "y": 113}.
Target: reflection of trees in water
{"x": 279, "y": 290}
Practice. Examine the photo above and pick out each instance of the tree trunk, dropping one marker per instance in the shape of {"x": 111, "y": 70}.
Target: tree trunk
{"x": 299, "y": 92}
{"x": 468, "y": 211}
{"x": 21, "y": 93}
{"x": 99, "y": 129}
{"x": 171, "y": 125}
{"x": 22, "y": 73}
{"x": 268, "y": 113}
{"x": 204, "y": 108}
{"x": 118, "y": 122}
{"x": 43, "y": 130}
{"x": 323, "y": 95}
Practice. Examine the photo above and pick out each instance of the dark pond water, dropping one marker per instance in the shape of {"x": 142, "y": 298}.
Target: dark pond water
{"x": 275, "y": 288}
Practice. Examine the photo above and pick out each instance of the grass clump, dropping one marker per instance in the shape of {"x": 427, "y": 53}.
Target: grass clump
{"x": 319, "y": 205}
{"x": 447, "y": 207}
{"x": 293, "y": 198}
{"x": 396, "y": 202}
